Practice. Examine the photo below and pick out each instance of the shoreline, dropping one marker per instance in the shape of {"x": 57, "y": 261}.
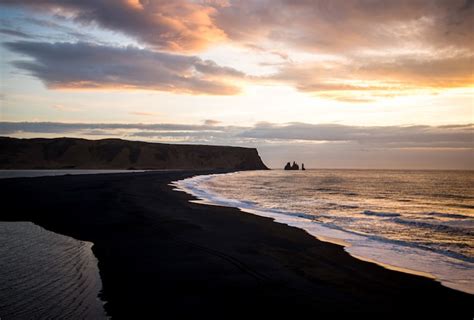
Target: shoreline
{"x": 348, "y": 240}
{"x": 161, "y": 254}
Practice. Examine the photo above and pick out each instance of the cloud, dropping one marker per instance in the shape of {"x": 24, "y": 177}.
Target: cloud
{"x": 358, "y": 50}
{"x": 338, "y": 25}
{"x": 459, "y": 136}
{"x": 437, "y": 72}
{"x": 381, "y": 137}
{"x": 211, "y": 122}
{"x": 84, "y": 65}
{"x": 364, "y": 80}
{"x": 61, "y": 107}
{"x": 316, "y": 25}
{"x": 15, "y": 33}
{"x": 66, "y": 128}
{"x": 52, "y": 31}
{"x": 374, "y": 49}
{"x": 142, "y": 113}
{"x": 175, "y": 25}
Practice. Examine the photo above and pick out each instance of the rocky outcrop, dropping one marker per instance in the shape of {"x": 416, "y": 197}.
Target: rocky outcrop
{"x": 73, "y": 153}
{"x": 293, "y": 166}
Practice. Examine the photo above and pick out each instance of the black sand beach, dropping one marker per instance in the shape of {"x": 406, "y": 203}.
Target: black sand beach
{"x": 159, "y": 254}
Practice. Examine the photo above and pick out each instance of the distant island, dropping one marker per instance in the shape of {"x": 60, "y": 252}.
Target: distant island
{"x": 74, "y": 153}
{"x": 294, "y": 166}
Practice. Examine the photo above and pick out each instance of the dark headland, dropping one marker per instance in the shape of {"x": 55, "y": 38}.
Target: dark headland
{"x": 74, "y": 153}
{"x": 161, "y": 255}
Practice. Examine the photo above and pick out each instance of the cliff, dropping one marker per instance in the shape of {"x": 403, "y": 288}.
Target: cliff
{"x": 73, "y": 153}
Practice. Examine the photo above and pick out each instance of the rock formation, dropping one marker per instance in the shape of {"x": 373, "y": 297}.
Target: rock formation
{"x": 293, "y": 166}
{"x": 73, "y": 153}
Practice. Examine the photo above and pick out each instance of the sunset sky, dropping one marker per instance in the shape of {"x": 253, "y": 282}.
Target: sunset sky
{"x": 355, "y": 83}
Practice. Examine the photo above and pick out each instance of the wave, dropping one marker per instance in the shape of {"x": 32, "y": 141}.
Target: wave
{"x": 347, "y": 206}
{"x": 431, "y": 214}
{"x": 437, "y": 227}
{"x": 452, "y": 196}
{"x": 447, "y": 215}
{"x": 380, "y": 214}
{"x": 464, "y": 206}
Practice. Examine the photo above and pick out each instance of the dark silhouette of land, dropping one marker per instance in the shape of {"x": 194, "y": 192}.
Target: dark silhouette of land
{"x": 293, "y": 166}
{"x": 161, "y": 255}
{"x": 74, "y": 153}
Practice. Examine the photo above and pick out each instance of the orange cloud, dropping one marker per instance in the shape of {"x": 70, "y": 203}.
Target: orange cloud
{"x": 135, "y": 4}
{"x": 359, "y": 80}
{"x": 181, "y": 26}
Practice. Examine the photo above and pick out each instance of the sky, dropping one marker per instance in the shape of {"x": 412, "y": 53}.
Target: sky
{"x": 333, "y": 84}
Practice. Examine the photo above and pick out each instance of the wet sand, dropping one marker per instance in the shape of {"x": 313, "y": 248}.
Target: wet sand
{"x": 160, "y": 254}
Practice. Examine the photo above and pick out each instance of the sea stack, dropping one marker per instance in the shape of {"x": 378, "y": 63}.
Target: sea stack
{"x": 302, "y": 167}
{"x": 293, "y": 166}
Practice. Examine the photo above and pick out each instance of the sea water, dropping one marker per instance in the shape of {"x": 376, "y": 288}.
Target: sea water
{"x": 420, "y": 222}
{"x": 45, "y": 275}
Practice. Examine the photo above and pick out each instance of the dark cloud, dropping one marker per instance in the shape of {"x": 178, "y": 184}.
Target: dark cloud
{"x": 460, "y": 136}
{"x": 84, "y": 65}
{"x": 15, "y": 33}
{"x": 386, "y": 137}
{"x": 57, "y": 32}
{"x": 61, "y": 127}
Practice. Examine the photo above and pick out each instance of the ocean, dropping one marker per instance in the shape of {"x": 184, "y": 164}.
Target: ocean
{"x": 45, "y": 275}
{"x": 420, "y": 222}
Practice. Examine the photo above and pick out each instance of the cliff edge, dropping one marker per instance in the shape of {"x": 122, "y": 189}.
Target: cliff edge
{"x": 74, "y": 153}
